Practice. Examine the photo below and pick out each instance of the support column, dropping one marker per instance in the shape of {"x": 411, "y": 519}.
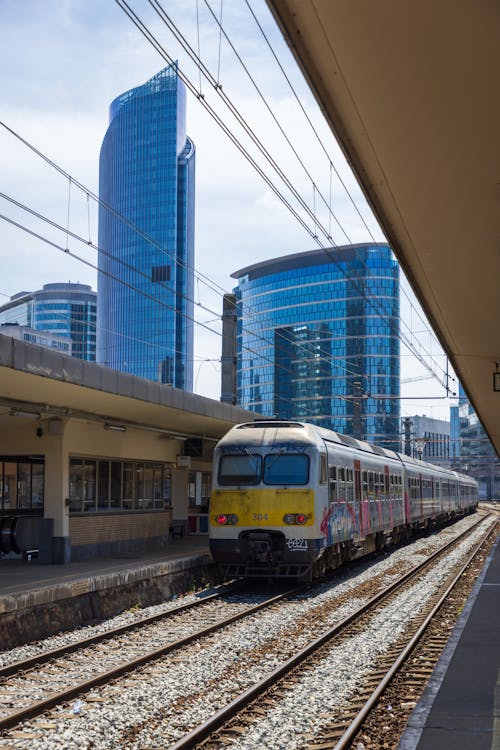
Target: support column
{"x": 57, "y": 491}
{"x": 180, "y": 479}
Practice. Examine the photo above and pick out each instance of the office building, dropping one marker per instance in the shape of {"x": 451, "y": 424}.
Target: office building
{"x": 317, "y": 340}
{"x": 40, "y": 338}
{"x": 427, "y": 438}
{"x": 63, "y": 312}
{"x": 473, "y": 453}
{"x": 146, "y": 234}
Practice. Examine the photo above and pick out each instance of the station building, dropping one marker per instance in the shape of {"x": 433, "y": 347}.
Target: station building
{"x": 98, "y": 462}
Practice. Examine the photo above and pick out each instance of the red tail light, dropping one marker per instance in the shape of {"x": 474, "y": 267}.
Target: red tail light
{"x": 300, "y": 518}
{"x": 221, "y": 518}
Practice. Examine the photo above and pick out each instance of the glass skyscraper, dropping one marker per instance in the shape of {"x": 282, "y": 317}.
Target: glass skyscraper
{"x": 317, "y": 340}
{"x": 473, "y": 452}
{"x": 64, "y": 310}
{"x": 146, "y": 234}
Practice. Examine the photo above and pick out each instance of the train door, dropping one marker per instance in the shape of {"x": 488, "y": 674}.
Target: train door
{"x": 421, "y": 493}
{"x": 385, "y": 499}
{"x": 357, "y": 494}
{"x": 357, "y": 480}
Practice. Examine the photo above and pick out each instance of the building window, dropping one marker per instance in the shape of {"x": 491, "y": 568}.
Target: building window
{"x": 107, "y": 485}
{"x": 22, "y": 481}
{"x": 199, "y": 486}
{"x": 160, "y": 273}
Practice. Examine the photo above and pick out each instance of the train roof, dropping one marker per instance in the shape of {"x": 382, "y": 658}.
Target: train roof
{"x": 303, "y": 432}
{"x": 264, "y": 430}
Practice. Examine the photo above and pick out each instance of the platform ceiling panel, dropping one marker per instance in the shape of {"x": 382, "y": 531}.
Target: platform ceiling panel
{"x": 411, "y": 91}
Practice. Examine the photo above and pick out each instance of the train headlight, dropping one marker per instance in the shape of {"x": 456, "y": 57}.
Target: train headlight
{"x": 295, "y": 519}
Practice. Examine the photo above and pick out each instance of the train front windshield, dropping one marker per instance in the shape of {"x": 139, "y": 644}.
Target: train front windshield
{"x": 274, "y": 469}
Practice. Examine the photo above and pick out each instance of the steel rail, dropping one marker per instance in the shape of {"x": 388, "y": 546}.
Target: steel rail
{"x": 359, "y": 719}
{"x": 200, "y": 733}
{"x": 45, "y": 656}
{"x": 63, "y": 696}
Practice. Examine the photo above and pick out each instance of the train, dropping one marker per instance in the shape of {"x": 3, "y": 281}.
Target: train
{"x": 293, "y": 500}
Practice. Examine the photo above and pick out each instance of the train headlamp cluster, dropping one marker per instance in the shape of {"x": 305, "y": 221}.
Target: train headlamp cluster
{"x": 226, "y": 519}
{"x": 295, "y": 519}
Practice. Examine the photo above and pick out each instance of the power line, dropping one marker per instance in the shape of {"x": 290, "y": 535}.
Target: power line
{"x": 69, "y": 187}
{"x": 88, "y": 243}
{"x": 218, "y": 89}
{"x": 304, "y": 111}
{"x": 121, "y": 281}
{"x": 88, "y": 192}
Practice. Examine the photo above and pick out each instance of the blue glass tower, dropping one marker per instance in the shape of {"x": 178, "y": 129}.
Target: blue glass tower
{"x": 317, "y": 340}
{"x": 146, "y": 234}
{"x": 64, "y": 310}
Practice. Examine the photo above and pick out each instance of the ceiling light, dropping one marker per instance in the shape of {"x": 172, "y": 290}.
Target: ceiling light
{"x": 115, "y": 427}
{"x": 25, "y": 414}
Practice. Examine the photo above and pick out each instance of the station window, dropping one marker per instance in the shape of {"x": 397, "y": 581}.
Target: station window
{"x": 104, "y": 485}
{"x": 199, "y": 485}
{"x": 22, "y": 484}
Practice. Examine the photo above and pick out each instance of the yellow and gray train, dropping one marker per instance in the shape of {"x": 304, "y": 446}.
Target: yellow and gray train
{"x": 291, "y": 500}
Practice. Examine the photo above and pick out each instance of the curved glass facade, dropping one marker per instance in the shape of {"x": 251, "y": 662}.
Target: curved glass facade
{"x": 146, "y": 257}
{"x": 67, "y": 310}
{"x": 318, "y": 340}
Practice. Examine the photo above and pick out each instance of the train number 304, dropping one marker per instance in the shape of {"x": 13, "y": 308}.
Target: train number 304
{"x": 260, "y": 517}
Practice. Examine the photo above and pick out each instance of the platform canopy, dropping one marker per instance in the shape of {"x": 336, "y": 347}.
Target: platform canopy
{"x": 38, "y": 382}
{"x": 411, "y": 91}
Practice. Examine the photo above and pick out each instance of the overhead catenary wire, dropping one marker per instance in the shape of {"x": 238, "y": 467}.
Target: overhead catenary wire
{"x": 155, "y": 43}
{"x": 144, "y": 275}
{"x": 121, "y": 281}
{"x": 156, "y": 5}
{"x": 311, "y": 124}
{"x": 313, "y": 233}
{"x": 143, "y": 235}
{"x": 327, "y": 204}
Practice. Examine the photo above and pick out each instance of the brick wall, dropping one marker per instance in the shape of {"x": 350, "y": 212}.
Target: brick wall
{"x": 118, "y": 533}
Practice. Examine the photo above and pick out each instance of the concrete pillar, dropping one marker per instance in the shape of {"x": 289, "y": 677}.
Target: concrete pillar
{"x": 180, "y": 495}
{"x": 57, "y": 489}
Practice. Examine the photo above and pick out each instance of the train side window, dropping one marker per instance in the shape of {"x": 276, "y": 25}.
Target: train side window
{"x": 371, "y": 482}
{"x": 323, "y": 469}
{"x": 349, "y": 486}
{"x": 341, "y": 484}
{"x": 333, "y": 484}
{"x": 386, "y": 483}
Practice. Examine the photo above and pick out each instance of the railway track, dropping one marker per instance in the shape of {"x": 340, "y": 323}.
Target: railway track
{"x": 228, "y": 726}
{"x": 163, "y": 700}
{"x": 112, "y": 654}
{"x": 423, "y": 644}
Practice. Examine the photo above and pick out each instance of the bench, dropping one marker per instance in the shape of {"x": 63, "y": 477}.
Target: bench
{"x": 177, "y": 530}
{"x": 28, "y": 554}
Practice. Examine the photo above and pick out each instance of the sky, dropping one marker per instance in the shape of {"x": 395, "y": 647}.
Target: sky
{"x": 64, "y": 61}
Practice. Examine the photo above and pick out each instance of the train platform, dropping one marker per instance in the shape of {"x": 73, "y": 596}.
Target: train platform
{"x": 38, "y": 600}
{"x": 460, "y": 707}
